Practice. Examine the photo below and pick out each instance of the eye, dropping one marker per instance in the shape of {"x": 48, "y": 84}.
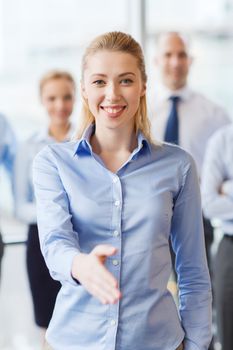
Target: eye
{"x": 68, "y": 97}
{"x": 98, "y": 82}
{"x": 126, "y": 81}
{"x": 183, "y": 55}
{"x": 167, "y": 55}
{"x": 51, "y": 98}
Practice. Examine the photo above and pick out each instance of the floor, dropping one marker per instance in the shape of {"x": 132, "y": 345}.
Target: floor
{"x": 17, "y": 328}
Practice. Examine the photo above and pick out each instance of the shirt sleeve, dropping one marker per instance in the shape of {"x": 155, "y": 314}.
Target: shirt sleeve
{"x": 227, "y": 188}
{"x": 25, "y": 207}
{"x": 193, "y": 276}
{"x": 8, "y": 146}
{"x": 215, "y": 204}
{"x": 59, "y": 242}
{"x": 222, "y": 116}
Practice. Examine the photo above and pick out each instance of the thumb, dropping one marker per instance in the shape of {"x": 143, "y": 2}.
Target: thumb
{"x": 104, "y": 250}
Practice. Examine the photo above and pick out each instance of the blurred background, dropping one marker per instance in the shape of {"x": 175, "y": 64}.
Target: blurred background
{"x": 39, "y": 35}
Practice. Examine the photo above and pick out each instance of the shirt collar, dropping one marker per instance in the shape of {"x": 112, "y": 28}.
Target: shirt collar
{"x": 143, "y": 142}
{"x": 44, "y": 135}
{"x": 83, "y": 145}
{"x": 164, "y": 93}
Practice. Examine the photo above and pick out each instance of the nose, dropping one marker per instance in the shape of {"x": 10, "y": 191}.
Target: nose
{"x": 60, "y": 104}
{"x": 175, "y": 61}
{"x": 112, "y": 92}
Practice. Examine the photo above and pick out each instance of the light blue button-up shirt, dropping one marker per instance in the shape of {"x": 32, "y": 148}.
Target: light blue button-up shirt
{"x": 7, "y": 145}
{"x": 81, "y": 204}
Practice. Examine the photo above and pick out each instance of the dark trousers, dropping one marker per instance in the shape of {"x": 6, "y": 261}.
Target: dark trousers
{"x": 43, "y": 288}
{"x": 1, "y": 252}
{"x": 224, "y": 292}
{"x": 209, "y": 237}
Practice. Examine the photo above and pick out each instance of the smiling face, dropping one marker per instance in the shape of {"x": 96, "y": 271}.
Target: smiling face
{"x": 112, "y": 87}
{"x": 173, "y": 61}
{"x": 58, "y": 97}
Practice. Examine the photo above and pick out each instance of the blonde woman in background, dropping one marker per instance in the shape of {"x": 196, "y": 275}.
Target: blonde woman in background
{"x": 107, "y": 204}
{"x": 57, "y": 92}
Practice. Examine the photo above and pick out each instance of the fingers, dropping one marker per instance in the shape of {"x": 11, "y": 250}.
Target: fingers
{"x": 106, "y": 277}
{"x": 105, "y": 295}
{"x": 104, "y": 250}
{"x": 102, "y": 283}
{"x": 90, "y": 271}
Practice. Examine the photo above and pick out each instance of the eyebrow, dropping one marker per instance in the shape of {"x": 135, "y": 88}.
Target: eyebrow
{"x": 120, "y": 75}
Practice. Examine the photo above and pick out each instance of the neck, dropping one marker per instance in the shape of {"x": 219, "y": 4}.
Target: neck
{"x": 114, "y": 141}
{"x": 114, "y": 146}
{"x": 59, "y": 132}
{"x": 174, "y": 88}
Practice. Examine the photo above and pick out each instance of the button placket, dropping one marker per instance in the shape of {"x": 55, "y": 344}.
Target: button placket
{"x": 116, "y": 233}
{"x": 117, "y": 203}
{"x": 115, "y": 179}
{"x": 115, "y": 261}
{"x": 112, "y": 323}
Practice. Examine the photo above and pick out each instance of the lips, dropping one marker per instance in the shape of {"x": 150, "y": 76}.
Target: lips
{"x": 113, "y": 111}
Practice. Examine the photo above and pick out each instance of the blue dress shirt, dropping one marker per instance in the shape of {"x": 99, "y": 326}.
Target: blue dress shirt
{"x": 81, "y": 204}
{"x": 7, "y": 145}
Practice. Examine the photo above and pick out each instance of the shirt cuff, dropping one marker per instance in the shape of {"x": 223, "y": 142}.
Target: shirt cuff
{"x": 188, "y": 345}
{"x": 64, "y": 266}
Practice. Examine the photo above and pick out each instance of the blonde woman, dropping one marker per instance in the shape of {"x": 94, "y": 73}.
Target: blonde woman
{"x": 57, "y": 93}
{"x": 107, "y": 204}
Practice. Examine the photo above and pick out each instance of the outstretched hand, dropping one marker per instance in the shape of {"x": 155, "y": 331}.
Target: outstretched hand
{"x": 90, "y": 271}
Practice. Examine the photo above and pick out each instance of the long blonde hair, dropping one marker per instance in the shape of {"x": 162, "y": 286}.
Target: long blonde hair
{"x": 119, "y": 42}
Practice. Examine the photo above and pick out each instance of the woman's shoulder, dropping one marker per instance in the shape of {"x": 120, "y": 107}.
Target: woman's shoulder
{"x": 34, "y": 138}
{"x": 59, "y": 150}
{"x": 30, "y": 146}
{"x": 174, "y": 159}
{"x": 171, "y": 152}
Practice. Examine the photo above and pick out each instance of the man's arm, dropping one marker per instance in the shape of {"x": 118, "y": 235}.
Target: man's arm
{"x": 217, "y": 201}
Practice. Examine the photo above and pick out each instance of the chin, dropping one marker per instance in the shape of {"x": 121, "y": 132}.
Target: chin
{"x": 176, "y": 85}
{"x": 62, "y": 120}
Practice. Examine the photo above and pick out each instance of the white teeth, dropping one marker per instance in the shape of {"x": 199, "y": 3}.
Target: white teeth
{"x": 113, "y": 110}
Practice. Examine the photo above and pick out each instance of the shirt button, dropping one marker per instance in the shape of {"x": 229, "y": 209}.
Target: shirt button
{"x": 115, "y": 233}
{"x": 115, "y": 179}
{"x": 112, "y": 322}
{"x": 115, "y": 262}
{"x": 117, "y": 203}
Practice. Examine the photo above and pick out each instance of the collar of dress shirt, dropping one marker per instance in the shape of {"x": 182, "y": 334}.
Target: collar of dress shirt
{"x": 163, "y": 93}
{"x": 44, "y": 135}
{"x": 83, "y": 145}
